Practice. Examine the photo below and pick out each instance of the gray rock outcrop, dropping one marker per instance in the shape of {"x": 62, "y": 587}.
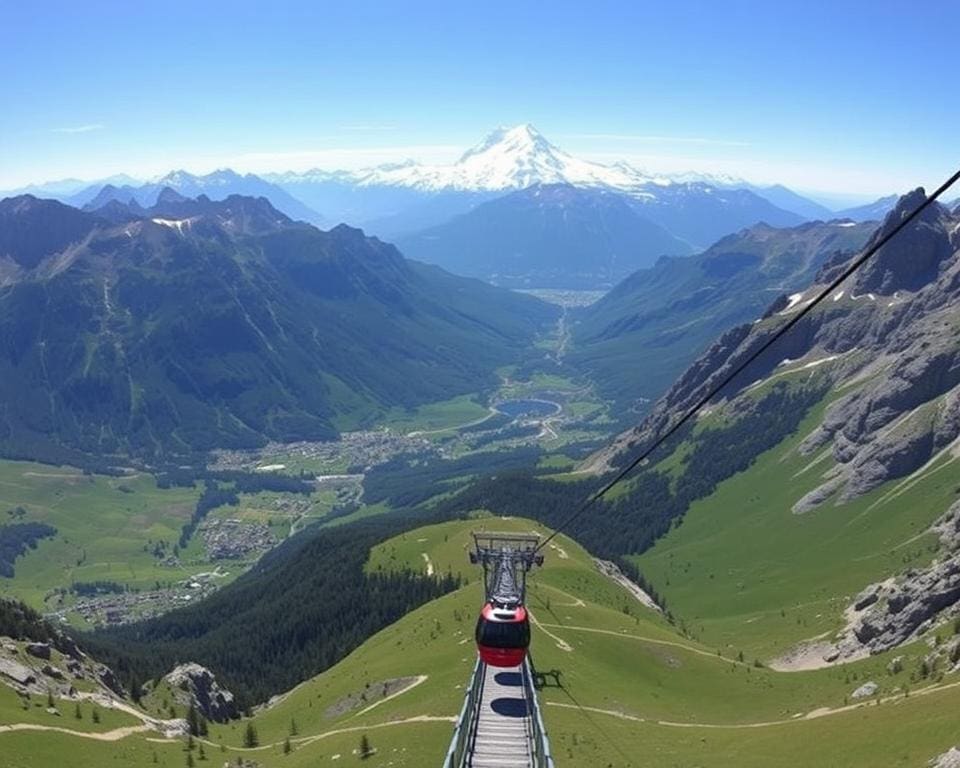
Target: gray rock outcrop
{"x": 866, "y": 690}
{"x": 107, "y": 678}
{"x": 198, "y": 685}
{"x": 949, "y": 759}
{"x": 17, "y": 672}
{"x": 887, "y": 614}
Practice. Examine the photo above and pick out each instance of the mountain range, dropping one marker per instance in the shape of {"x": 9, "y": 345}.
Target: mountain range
{"x": 657, "y": 320}
{"x": 218, "y": 185}
{"x": 434, "y": 211}
{"x": 201, "y": 323}
{"x": 511, "y": 159}
{"x": 887, "y": 340}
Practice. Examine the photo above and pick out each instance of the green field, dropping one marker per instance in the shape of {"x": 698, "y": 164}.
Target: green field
{"x": 436, "y": 417}
{"x": 103, "y": 526}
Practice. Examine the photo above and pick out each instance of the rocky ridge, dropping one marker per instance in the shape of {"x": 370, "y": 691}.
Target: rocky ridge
{"x": 34, "y": 667}
{"x": 888, "y": 340}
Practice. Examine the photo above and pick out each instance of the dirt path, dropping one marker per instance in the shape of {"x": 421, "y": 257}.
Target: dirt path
{"x": 108, "y": 702}
{"x": 115, "y": 735}
{"x": 303, "y": 740}
{"x": 419, "y": 679}
{"x": 562, "y": 644}
{"x": 815, "y": 714}
{"x": 643, "y": 639}
{"x": 422, "y": 432}
{"x": 577, "y": 602}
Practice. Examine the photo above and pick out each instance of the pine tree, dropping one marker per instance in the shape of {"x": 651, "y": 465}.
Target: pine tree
{"x": 293, "y": 727}
{"x": 250, "y": 738}
{"x": 190, "y": 762}
{"x": 193, "y": 725}
{"x": 202, "y": 753}
{"x": 365, "y": 749}
{"x": 287, "y": 749}
{"x": 202, "y": 725}
{"x": 76, "y": 711}
{"x": 96, "y": 715}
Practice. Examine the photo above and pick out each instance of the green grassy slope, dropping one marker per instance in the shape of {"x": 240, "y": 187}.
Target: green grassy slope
{"x": 633, "y": 690}
{"x": 744, "y": 571}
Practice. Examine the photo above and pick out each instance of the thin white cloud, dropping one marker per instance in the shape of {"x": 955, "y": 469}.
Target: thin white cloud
{"x": 700, "y": 140}
{"x": 79, "y": 128}
{"x": 367, "y": 127}
{"x": 341, "y": 158}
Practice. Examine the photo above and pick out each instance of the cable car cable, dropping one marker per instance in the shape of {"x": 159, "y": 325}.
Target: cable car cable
{"x": 853, "y": 267}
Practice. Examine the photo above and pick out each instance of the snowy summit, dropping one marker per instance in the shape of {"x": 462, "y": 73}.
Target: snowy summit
{"x": 507, "y": 159}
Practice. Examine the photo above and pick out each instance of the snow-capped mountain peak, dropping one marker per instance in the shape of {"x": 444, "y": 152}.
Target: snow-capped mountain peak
{"x": 519, "y": 140}
{"x": 508, "y": 158}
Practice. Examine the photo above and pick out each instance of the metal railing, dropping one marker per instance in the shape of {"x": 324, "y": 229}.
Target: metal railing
{"x": 539, "y": 743}
{"x": 466, "y": 725}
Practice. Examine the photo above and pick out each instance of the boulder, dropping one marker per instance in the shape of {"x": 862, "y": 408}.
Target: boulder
{"x": 200, "y": 687}
{"x": 39, "y": 650}
{"x": 865, "y": 690}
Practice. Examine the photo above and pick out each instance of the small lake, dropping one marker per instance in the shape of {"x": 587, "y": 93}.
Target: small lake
{"x": 518, "y": 408}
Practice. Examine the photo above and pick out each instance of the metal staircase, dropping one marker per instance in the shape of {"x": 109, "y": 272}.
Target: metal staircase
{"x": 500, "y": 725}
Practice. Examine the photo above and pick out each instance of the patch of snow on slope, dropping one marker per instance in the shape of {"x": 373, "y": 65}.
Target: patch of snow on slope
{"x": 176, "y": 224}
{"x": 794, "y": 299}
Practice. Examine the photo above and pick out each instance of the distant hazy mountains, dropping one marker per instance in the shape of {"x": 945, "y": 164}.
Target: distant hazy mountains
{"x": 481, "y": 215}
{"x": 218, "y": 185}
{"x": 201, "y": 323}
{"x": 639, "y": 337}
{"x": 875, "y": 211}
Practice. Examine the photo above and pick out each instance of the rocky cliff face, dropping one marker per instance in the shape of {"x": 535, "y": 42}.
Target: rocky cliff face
{"x": 888, "y": 343}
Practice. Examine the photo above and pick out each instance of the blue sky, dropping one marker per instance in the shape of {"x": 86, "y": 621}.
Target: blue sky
{"x": 855, "y": 97}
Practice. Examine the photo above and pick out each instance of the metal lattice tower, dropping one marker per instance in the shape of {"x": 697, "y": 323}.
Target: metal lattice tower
{"x": 506, "y": 558}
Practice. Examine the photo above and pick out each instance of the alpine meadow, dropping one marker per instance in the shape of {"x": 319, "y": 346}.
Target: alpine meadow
{"x": 520, "y": 386}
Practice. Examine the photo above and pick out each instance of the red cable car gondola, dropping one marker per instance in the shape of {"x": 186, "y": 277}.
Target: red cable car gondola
{"x": 503, "y": 628}
{"x": 503, "y": 635}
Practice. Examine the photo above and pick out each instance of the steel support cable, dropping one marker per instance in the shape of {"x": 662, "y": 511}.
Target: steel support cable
{"x": 853, "y": 267}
